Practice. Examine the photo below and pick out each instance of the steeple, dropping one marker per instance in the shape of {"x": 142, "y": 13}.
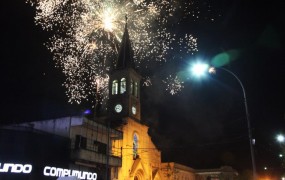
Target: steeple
{"x": 124, "y": 85}
{"x": 126, "y": 55}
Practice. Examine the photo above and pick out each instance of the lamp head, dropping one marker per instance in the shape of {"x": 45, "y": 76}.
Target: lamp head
{"x": 199, "y": 69}
{"x": 280, "y": 138}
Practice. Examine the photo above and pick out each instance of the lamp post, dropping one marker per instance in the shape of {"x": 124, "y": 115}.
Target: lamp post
{"x": 198, "y": 69}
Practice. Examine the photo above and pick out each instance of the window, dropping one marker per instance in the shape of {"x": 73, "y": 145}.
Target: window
{"x": 132, "y": 87}
{"x": 100, "y": 147}
{"x": 135, "y": 146}
{"x": 115, "y": 87}
{"x": 80, "y": 142}
{"x": 123, "y": 85}
{"x": 136, "y": 89}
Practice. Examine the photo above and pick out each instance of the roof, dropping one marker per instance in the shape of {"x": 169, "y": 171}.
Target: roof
{"x": 125, "y": 58}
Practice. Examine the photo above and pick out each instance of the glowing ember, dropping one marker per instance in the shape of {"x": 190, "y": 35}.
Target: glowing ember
{"x": 174, "y": 84}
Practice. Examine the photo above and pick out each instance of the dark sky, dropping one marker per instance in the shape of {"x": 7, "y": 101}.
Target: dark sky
{"x": 203, "y": 126}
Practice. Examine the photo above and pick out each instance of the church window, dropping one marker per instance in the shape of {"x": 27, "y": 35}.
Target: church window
{"x": 136, "y": 89}
{"x": 123, "y": 85}
{"x": 132, "y": 87}
{"x": 115, "y": 87}
{"x": 135, "y": 146}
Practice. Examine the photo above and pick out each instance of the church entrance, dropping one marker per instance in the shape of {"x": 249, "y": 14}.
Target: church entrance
{"x": 139, "y": 175}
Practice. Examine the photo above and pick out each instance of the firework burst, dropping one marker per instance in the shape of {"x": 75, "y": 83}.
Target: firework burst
{"x": 87, "y": 34}
{"x": 174, "y": 84}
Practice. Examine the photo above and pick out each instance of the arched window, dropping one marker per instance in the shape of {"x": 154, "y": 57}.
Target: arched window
{"x": 132, "y": 87}
{"x": 123, "y": 85}
{"x": 115, "y": 87}
{"x": 136, "y": 89}
{"x": 135, "y": 146}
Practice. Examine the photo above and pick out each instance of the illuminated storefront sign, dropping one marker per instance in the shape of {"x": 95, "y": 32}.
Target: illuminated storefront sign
{"x": 15, "y": 168}
{"x": 47, "y": 171}
{"x": 60, "y": 172}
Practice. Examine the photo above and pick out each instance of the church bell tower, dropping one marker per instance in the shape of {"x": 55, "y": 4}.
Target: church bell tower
{"x": 124, "y": 84}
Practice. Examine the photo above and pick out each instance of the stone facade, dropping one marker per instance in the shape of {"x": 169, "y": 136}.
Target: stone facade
{"x": 140, "y": 158}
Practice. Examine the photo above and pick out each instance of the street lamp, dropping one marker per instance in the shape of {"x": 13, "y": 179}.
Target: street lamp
{"x": 202, "y": 68}
{"x": 199, "y": 69}
{"x": 280, "y": 138}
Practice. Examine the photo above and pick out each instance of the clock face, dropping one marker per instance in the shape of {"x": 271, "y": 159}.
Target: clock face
{"x": 134, "y": 110}
{"x": 118, "y": 108}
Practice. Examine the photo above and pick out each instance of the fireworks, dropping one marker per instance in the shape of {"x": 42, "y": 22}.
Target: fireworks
{"x": 188, "y": 43}
{"x": 87, "y": 34}
{"x": 174, "y": 84}
{"x": 147, "y": 81}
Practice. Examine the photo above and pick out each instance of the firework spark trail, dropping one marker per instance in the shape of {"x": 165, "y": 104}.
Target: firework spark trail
{"x": 87, "y": 34}
{"x": 188, "y": 43}
{"x": 174, "y": 84}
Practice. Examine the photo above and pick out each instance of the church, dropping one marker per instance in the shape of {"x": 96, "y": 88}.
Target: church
{"x": 140, "y": 157}
{"x": 112, "y": 147}
{"x": 141, "y": 160}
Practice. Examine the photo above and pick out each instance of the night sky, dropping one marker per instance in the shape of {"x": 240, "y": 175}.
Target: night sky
{"x": 204, "y": 125}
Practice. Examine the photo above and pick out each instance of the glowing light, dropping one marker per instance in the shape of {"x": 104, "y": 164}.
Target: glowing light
{"x": 87, "y": 34}
{"x": 199, "y": 69}
{"x": 87, "y": 111}
{"x": 108, "y": 19}
{"x": 280, "y": 138}
{"x": 212, "y": 70}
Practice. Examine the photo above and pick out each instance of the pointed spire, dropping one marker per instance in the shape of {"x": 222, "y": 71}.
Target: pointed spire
{"x": 125, "y": 58}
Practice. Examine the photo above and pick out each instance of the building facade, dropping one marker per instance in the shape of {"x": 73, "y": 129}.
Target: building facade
{"x": 114, "y": 147}
{"x": 222, "y": 173}
{"x": 71, "y": 143}
{"x": 172, "y": 171}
